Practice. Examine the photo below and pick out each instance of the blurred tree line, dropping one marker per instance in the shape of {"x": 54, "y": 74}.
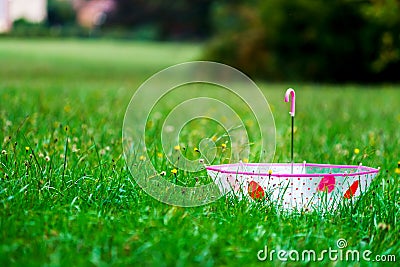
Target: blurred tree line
{"x": 318, "y": 40}
{"x": 142, "y": 19}
{"x": 60, "y": 13}
{"x": 169, "y": 20}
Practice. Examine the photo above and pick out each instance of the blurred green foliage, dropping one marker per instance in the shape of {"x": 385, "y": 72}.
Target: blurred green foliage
{"x": 24, "y": 29}
{"x": 60, "y": 13}
{"x": 179, "y": 20}
{"x": 318, "y": 40}
{"x": 165, "y": 20}
{"x": 280, "y": 40}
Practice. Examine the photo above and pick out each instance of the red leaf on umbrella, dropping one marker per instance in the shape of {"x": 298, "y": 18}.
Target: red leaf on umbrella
{"x": 255, "y": 191}
{"x": 327, "y": 183}
{"x": 352, "y": 190}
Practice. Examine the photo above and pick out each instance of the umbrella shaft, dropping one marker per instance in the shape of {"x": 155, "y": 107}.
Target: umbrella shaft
{"x": 291, "y": 157}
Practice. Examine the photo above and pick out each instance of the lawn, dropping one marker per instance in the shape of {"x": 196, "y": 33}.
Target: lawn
{"x": 67, "y": 197}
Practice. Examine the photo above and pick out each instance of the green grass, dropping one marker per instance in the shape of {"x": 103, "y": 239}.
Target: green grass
{"x": 67, "y": 197}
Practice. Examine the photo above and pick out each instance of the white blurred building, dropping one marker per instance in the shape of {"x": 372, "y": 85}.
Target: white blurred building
{"x": 34, "y": 11}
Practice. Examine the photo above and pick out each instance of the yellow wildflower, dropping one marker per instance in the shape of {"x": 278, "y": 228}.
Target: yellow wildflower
{"x": 174, "y": 171}
{"x": 67, "y": 108}
{"x": 177, "y": 147}
{"x": 356, "y": 151}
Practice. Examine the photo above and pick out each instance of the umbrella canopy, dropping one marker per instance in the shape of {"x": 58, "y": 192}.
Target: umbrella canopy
{"x": 309, "y": 186}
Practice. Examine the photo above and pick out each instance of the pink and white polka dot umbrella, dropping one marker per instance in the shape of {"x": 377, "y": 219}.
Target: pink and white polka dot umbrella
{"x": 294, "y": 185}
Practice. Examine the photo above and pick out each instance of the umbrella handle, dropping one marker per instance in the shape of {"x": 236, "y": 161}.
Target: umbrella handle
{"x": 290, "y": 92}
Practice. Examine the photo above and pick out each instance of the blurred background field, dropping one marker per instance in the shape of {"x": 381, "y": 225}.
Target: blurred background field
{"x": 336, "y": 41}
{"x": 66, "y": 196}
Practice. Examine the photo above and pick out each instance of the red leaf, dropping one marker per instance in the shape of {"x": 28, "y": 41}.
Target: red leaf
{"x": 352, "y": 190}
{"x": 327, "y": 183}
{"x": 255, "y": 191}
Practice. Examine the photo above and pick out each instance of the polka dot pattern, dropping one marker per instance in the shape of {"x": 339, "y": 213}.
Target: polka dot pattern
{"x": 309, "y": 187}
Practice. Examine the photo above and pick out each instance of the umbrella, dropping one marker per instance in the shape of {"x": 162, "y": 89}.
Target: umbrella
{"x": 292, "y": 185}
